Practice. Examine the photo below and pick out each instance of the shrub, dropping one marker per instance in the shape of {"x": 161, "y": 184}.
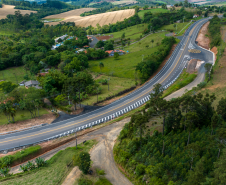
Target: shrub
{"x": 19, "y": 156}
{"x": 4, "y": 171}
{"x": 201, "y": 85}
{"x": 40, "y": 162}
{"x": 5, "y": 161}
{"x": 100, "y": 172}
{"x": 83, "y": 161}
{"x": 102, "y": 181}
{"x": 24, "y": 168}
{"x": 140, "y": 169}
{"x": 30, "y": 165}
{"x": 83, "y": 181}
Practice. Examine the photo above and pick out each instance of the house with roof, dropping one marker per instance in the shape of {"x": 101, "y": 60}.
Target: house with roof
{"x": 32, "y": 83}
{"x": 112, "y": 52}
{"x": 195, "y": 16}
{"x": 61, "y": 37}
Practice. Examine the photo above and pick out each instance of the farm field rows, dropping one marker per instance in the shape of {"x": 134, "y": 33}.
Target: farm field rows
{"x": 8, "y": 9}
{"x": 93, "y": 20}
{"x": 72, "y": 13}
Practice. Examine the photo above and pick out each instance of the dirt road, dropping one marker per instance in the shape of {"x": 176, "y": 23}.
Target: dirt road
{"x": 101, "y": 154}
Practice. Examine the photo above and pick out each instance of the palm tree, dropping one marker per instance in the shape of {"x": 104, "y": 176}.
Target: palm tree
{"x": 152, "y": 42}
{"x": 101, "y": 65}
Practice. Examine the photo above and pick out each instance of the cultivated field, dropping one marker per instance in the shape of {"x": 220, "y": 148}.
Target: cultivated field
{"x": 69, "y": 14}
{"x": 101, "y": 19}
{"x": 8, "y": 9}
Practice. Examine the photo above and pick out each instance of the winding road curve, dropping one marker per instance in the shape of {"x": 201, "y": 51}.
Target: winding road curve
{"x": 166, "y": 77}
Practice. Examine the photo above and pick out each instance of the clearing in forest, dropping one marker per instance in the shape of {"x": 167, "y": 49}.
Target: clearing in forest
{"x": 93, "y": 20}
{"x": 9, "y": 9}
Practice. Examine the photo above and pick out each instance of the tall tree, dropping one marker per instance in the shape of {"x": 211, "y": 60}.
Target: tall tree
{"x": 191, "y": 118}
{"x": 220, "y": 170}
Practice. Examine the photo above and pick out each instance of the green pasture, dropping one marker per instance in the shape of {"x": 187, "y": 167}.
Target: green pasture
{"x": 132, "y": 32}
{"x": 14, "y": 74}
{"x": 124, "y": 67}
{"x": 154, "y": 10}
{"x": 21, "y": 115}
{"x": 54, "y": 173}
{"x": 116, "y": 85}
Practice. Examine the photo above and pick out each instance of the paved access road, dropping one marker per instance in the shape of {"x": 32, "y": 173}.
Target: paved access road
{"x": 166, "y": 77}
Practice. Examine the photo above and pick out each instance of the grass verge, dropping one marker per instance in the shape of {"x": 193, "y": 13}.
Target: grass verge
{"x": 54, "y": 173}
{"x": 183, "y": 80}
{"x": 20, "y": 156}
{"x": 21, "y": 115}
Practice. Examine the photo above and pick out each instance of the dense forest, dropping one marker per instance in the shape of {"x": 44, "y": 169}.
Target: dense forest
{"x": 189, "y": 149}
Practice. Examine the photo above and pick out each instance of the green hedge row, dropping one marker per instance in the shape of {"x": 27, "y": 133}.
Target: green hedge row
{"x": 19, "y": 156}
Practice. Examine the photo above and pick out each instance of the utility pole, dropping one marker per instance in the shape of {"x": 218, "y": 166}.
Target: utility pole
{"x": 76, "y": 139}
{"x": 183, "y": 19}
{"x": 69, "y": 99}
{"x": 97, "y": 94}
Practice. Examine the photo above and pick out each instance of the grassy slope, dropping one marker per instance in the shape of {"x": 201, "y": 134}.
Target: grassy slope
{"x": 115, "y": 86}
{"x": 132, "y": 32}
{"x": 124, "y": 67}
{"x": 12, "y": 73}
{"x": 155, "y": 10}
{"x": 55, "y": 172}
{"x": 183, "y": 80}
{"x": 21, "y": 115}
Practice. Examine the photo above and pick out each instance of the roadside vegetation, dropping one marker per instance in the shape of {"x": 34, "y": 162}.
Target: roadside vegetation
{"x": 184, "y": 79}
{"x": 19, "y": 157}
{"x": 182, "y": 147}
{"x": 57, "y": 168}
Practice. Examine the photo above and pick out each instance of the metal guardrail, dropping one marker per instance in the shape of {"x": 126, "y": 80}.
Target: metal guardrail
{"x": 99, "y": 121}
{"x": 102, "y": 120}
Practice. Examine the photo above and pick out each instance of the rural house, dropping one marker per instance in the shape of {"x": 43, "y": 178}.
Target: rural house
{"x": 32, "y": 83}
{"x": 195, "y": 16}
{"x": 111, "y": 52}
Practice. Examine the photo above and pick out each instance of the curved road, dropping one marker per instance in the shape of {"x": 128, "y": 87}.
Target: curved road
{"x": 166, "y": 77}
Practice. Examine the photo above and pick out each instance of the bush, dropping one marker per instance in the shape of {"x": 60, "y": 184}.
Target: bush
{"x": 140, "y": 169}
{"x": 19, "y": 156}
{"x": 40, "y": 162}
{"x": 100, "y": 172}
{"x": 83, "y": 181}
{"x": 83, "y": 161}
{"x": 102, "y": 181}
{"x": 4, "y": 171}
{"x": 201, "y": 85}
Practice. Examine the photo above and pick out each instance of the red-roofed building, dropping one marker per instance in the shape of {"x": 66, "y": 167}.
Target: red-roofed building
{"x": 111, "y": 52}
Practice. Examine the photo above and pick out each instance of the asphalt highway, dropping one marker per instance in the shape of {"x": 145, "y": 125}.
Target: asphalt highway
{"x": 169, "y": 73}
